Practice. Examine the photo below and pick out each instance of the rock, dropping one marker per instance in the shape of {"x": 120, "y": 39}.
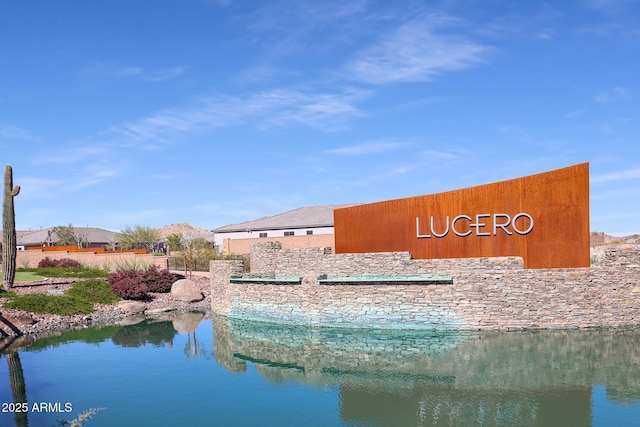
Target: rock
{"x": 15, "y": 323}
{"x": 18, "y": 319}
{"x": 158, "y": 310}
{"x": 187, "y": 322}
{"x": 133, "y": 320}
{"x": 15, "y": 343}
{"x": 132, "y": 307}
{"x": 186, "y": 290}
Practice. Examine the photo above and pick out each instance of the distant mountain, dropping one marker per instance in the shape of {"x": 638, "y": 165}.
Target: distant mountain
{"x": 184, "y": 229}
{"x": 612, "y": 240}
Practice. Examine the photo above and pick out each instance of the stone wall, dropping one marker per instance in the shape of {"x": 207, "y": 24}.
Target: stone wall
{"x": 476, "y": 360}
{"x": 31, "y": 258}
{"x": 487, "y": 293}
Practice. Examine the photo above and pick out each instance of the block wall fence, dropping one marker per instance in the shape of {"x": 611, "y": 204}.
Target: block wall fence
{"x": 243, "y": 246}
{"x": 31, "y": 258}
{"x": 486, "y": 293}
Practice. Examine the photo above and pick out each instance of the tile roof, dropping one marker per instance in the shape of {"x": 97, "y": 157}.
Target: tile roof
{"x": 93, "y": 235}
{"x": 304, "y": 217}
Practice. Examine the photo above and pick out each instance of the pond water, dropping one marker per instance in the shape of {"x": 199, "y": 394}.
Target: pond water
{"x": 195, "y": 370}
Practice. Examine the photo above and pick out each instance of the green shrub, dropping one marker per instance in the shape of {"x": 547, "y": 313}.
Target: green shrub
{"x": 94, "y": 291}
{"x": 7, "y": 294}
{"x": 80, "y": 272}
{"x": 78, "y": 300}
{"x": 129, "y": 265}
{"x": 52, "y": 304}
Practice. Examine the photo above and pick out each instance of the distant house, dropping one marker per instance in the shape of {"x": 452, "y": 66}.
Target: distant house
{"x": 310, "y": 226}
{"x": 92, "y": 237}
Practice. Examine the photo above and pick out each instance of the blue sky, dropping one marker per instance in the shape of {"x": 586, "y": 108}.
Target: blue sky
{"x": 211, "y": 112}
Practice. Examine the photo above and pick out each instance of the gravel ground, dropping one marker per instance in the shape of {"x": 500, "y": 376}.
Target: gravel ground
{"x": 12, "y": 321}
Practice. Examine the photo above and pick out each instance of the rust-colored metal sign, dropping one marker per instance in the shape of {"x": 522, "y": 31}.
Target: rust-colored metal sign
{"x": 543, "y": 218}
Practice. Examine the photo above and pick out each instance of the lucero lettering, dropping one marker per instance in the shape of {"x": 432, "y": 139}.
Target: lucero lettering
{"x": 482, "y": 224}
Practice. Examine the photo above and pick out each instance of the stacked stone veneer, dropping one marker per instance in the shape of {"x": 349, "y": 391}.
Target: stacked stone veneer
{"x": 473, "y": 360}
{"x": 487, "y": 293}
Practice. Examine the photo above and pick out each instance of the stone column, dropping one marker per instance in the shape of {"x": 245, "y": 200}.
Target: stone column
{"x": 219, "y": 272}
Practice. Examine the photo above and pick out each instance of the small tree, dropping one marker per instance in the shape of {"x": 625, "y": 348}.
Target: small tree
{"x": 139, "y": 237}
{"x": 67, "y": 236}
{"x": 173, "y": 242}
{"x": 193, "y": 249}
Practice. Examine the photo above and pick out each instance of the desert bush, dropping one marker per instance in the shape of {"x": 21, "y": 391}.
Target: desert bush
{"x": 128, "y": 265}
{"x": 67, "y": 263}
{"x": 127, "y": 284}
{"x": 129, "y": 289}
{"x": 158, "y": 280}
{"x": 78, "y": 300}
{"x": 61, "y": 263}
{"x": 138, "y": 282}
{"x": 46, "y": 262}
{"x": 53, "y": 304}
{"x": 93, "y": 290}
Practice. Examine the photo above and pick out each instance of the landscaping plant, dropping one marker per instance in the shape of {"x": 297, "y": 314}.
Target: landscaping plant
{"x": 63, "y": 263}
{"x": 67, "y": 270}
{"x": 135, "y": 284}
{"x": 78, "y": 300}
{"x": 127, "y": 284}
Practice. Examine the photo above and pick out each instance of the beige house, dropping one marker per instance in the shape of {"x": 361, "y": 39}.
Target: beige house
{"x": 91, "y": 237}
{"x": 305, "y": 227}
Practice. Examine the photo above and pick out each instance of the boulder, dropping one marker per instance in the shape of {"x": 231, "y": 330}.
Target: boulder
{"x": 132, "y": 307}
{"x": 186, "y": 290}
{"x": 18, "y": 319}
{"x": 133, "y": 320}
{"x": 16, "y": 343}
{"x": 14, "y": 324}
{"x": 155, "y": 311}
{"x": 186, "y": 323}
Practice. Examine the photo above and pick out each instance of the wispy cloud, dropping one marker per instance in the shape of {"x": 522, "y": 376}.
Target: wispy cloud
{"x": 417, "y": 51}
{"x": 389, "y": 173}
{"x": 292, "y": 27}
{"x": 271, "y": 108}
{"x": 166, "y": 74}
{"x": 72, "y": 156}
{"x": 368, "y": 148}
{"x": 442, "y": 155}
{"x": 81, "y": 167}
{"x": 93, "y": 174}
{"x": 612, "y": 6}
{"x": 612, "y": 95}
{"x": 104, "y": 69}
{"x": 616, "y": 176}
{"x": 545, "y": 34}
{"x": 221, "y": 3}
{"x": 12, "y": 133}
{"x": 34, "y": 187}
{"x": 119, "y": 71}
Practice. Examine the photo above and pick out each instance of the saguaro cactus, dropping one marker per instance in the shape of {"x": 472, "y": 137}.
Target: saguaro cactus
{"x": 9, "y": 229}
{"x": 18, "y": 387}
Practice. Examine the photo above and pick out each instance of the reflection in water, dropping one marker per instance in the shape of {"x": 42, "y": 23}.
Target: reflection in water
{"x": 419, "y": 378}
{"x": 18, "y": 387}
{"x": 350, "y": 377}
{"x": 141, "y": 332}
